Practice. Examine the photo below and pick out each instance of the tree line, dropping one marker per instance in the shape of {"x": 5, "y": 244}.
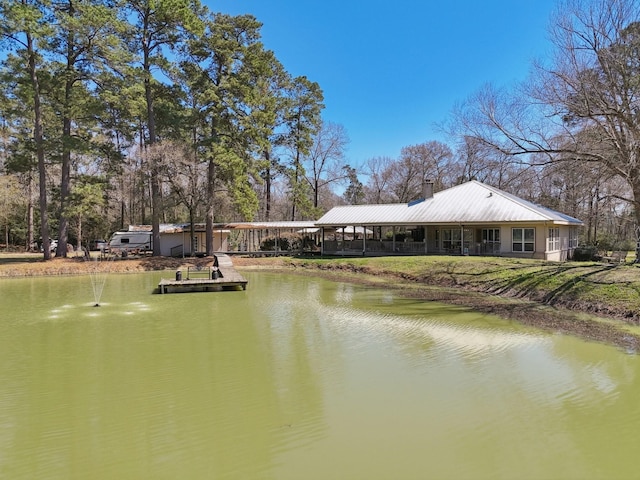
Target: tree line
{"x": 144, "y": 112}
{"x": 148, "y": 112}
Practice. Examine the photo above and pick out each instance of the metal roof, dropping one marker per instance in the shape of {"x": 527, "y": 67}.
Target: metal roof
{"x": 471, "y": 202}
{"x": 268, "y": 225}
{"x": 171, "y": 228}
{"x": 225, "y": 227}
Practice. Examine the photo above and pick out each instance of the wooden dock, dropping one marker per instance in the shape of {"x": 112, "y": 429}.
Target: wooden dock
{"x": 204, "y": 279}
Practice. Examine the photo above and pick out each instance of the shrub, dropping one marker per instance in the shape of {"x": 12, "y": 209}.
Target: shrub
{"x": 585, "y": 253}
{"x": 286, "y": 242}
{"x": 626, "y": 246}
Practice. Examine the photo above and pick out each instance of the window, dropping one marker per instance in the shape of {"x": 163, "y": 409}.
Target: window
{"x": 573, "y": 237}
{"x": 553, "y": 240}
{"x": 522, "y": 239}
{"x": 452, "y": 239}
{"x": 490, "y": 235}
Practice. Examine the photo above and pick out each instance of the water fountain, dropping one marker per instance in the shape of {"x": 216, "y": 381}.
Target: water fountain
{"x": 99, "y": 272}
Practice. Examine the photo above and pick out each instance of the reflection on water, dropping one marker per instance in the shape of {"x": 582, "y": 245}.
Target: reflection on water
{"x": 298, "y": 378}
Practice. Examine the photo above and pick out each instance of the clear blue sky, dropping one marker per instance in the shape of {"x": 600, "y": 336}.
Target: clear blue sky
{"x": 390, "y": 71}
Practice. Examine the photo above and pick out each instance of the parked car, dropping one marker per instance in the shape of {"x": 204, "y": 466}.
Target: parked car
{"x": 98, "y": 245}
{"x": 53, "y": 244}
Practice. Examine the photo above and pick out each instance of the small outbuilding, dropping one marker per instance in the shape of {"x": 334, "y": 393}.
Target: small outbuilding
{"x": 469, "y": 219}
{"x": 175, "y": 240}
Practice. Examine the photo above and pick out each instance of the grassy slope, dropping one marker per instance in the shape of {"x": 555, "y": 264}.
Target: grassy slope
{"x": 610, "y": 290}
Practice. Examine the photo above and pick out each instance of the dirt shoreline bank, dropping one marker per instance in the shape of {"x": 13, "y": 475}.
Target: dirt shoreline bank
{"x": 531, "y": 313}
{"x": 555, "y": 319}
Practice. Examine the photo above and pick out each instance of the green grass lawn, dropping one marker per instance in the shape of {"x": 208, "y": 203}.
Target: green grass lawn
{"x": 569, "y": 283}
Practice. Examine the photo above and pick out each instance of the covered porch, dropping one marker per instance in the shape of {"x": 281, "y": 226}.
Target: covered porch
{"x": 414, "y": 240}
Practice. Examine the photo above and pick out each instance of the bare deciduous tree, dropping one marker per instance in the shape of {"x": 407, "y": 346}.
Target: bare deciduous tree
{"x": 324, "y": 164}
{"x": 582, "y": 105}
{"x": 378, "y": 172}
{"x": 476, "y": 161}
{"x": 417, "y": 163}
{"x": 186, "y": 175}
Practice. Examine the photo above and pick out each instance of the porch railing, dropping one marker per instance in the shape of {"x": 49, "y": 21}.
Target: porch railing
{"x": 356, "y": 247}
{"x": 372, "y": 246}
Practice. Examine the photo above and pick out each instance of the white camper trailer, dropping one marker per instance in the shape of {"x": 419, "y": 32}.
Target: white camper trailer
{"x": 131, "y": 242}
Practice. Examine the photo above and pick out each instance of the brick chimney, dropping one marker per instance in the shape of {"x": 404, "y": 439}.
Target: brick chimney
{"x": 427, "y": 189}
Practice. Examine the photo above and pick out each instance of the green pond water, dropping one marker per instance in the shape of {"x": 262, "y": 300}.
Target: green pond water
{"x": 298, "y": 378}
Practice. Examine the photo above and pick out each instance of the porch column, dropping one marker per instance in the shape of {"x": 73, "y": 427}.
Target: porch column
{"x": 461, "y": 239}
{"x": 364, "y": 239}
{"x": 393, "y": 239}
{"x": 426, "y": 248}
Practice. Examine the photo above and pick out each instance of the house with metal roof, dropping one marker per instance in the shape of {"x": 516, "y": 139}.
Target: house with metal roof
{"x": 469, "y": 219}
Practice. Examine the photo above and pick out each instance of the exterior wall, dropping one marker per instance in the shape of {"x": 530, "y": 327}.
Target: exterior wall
{"x": 430, "y": 236}
{"x": 540, "y": 242}
{"x": 220, "y": 241}
{"x": 556, "y": 256}
{"x": 562, "y": 253}
{"x": 566, "y": 249}
{"x": 171, "y": 244}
